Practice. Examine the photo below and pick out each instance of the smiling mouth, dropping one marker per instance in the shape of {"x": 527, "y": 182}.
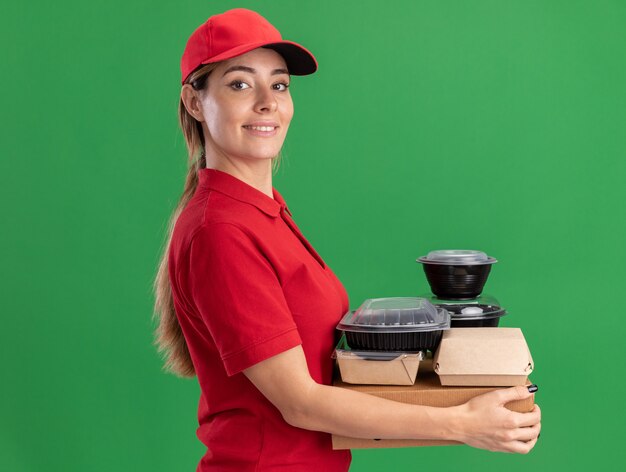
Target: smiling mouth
{"x": 262, "y": 128}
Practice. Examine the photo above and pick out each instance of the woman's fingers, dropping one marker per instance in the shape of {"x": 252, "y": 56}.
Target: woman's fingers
{"x": 520, "y": 447}
{"x": 531, "y": 418}
{"x": 528, "y": 433}
{"x": 507, "y": 395}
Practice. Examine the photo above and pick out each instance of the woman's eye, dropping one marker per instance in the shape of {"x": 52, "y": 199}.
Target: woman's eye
{"x": 281, "y": 87}
{"x": 238, "y": 85}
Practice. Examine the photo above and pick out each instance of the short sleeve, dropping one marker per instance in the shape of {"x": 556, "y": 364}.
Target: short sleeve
{"x": 239, "y": 297}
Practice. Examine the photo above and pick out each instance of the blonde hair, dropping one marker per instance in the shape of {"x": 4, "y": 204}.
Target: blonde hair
{"x": 169, "y": 337}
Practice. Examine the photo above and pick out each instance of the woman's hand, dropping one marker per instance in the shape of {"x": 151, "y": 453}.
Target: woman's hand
{"x": 485, "y": 423}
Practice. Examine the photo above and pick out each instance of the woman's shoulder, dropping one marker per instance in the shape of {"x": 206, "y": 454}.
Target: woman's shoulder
{"x": 216, "y": 213}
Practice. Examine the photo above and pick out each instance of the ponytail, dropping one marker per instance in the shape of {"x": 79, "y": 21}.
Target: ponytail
{"x": 169, "y": 337}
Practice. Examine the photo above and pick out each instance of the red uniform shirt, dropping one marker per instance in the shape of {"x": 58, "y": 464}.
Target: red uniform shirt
{"x": 247, "y": 285}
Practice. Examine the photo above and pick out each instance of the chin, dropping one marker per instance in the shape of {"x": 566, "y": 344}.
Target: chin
{"x": 258, "y": 156}
{"x": 263, "y": 154}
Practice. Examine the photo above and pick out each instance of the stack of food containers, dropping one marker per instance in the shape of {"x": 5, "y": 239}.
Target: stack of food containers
{"x": 384, "y": 340}
{"x": 482, "y": 354}
{"x": 456, "y": 278}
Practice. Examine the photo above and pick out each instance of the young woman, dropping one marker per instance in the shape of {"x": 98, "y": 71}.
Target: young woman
{"x": 247, "y": 305}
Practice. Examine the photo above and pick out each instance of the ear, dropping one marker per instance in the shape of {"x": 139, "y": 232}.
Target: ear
{"x": 191, "y": 100}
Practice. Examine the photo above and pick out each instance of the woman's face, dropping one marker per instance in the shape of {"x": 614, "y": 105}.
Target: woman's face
{"x": 247, "y": 106}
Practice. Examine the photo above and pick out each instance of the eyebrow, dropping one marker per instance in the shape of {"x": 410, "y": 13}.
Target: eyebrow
{"x": 253, "y": 71}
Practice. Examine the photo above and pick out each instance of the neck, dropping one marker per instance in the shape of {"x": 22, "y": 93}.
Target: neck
{"x": 255, "y": 172}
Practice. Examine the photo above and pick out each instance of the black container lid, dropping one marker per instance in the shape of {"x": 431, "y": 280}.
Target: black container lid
{"x": 395, "y": 315}
{"x": 457, "y": 257}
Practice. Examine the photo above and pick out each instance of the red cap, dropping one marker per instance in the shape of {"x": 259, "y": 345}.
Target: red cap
{"x": 236, "y": 32}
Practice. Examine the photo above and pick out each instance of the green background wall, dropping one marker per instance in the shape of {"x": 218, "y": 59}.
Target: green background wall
{"x": 493, "y": 125}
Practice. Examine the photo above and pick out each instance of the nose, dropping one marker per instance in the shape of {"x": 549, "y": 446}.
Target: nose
{"x": 265, "y": 101}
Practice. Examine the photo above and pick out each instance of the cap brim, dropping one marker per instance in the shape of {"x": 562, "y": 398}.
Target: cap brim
{"x": 298, "y": 59}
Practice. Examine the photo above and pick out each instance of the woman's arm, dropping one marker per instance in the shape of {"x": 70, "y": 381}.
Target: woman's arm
{"x": 482, "y": 422}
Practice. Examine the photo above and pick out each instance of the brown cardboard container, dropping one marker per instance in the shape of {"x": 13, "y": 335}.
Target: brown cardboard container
{"x": 378, "y": 368}
{"x": 428, "y": 391}
{"x": 497, "y": 357}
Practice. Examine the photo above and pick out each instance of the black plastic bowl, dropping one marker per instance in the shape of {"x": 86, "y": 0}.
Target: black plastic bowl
{"x": 490, "y": 318}
{"x": 484, "y": 323}
{"x": 456, "y": 282}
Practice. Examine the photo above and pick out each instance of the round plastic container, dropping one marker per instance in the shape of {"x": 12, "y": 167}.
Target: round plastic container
{"x": 395, "y": 324}
{"x": 484, "y": 311}
{"x": 456, "y": 273}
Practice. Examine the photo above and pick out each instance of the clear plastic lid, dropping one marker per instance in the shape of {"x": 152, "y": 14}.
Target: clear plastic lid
{"x": 457, "y": 257}
{"x": 395, "y": 315}
{"x": 483, "y": 307}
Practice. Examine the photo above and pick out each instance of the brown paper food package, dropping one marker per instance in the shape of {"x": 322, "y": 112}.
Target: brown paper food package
{"x": 400, "y": 370}
{"x": 488, "y": 357}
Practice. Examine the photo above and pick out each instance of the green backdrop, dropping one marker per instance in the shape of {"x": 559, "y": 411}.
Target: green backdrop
{"x": 491, "y": 125}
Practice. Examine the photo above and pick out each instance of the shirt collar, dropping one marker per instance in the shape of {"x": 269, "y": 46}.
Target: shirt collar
{"x": 239, "y": 190}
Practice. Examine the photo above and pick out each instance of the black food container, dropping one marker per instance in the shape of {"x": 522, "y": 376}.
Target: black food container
{"x": 395, "y": 324}
{"x": 457, "y": 273}
{"x": 484, "y": 311}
